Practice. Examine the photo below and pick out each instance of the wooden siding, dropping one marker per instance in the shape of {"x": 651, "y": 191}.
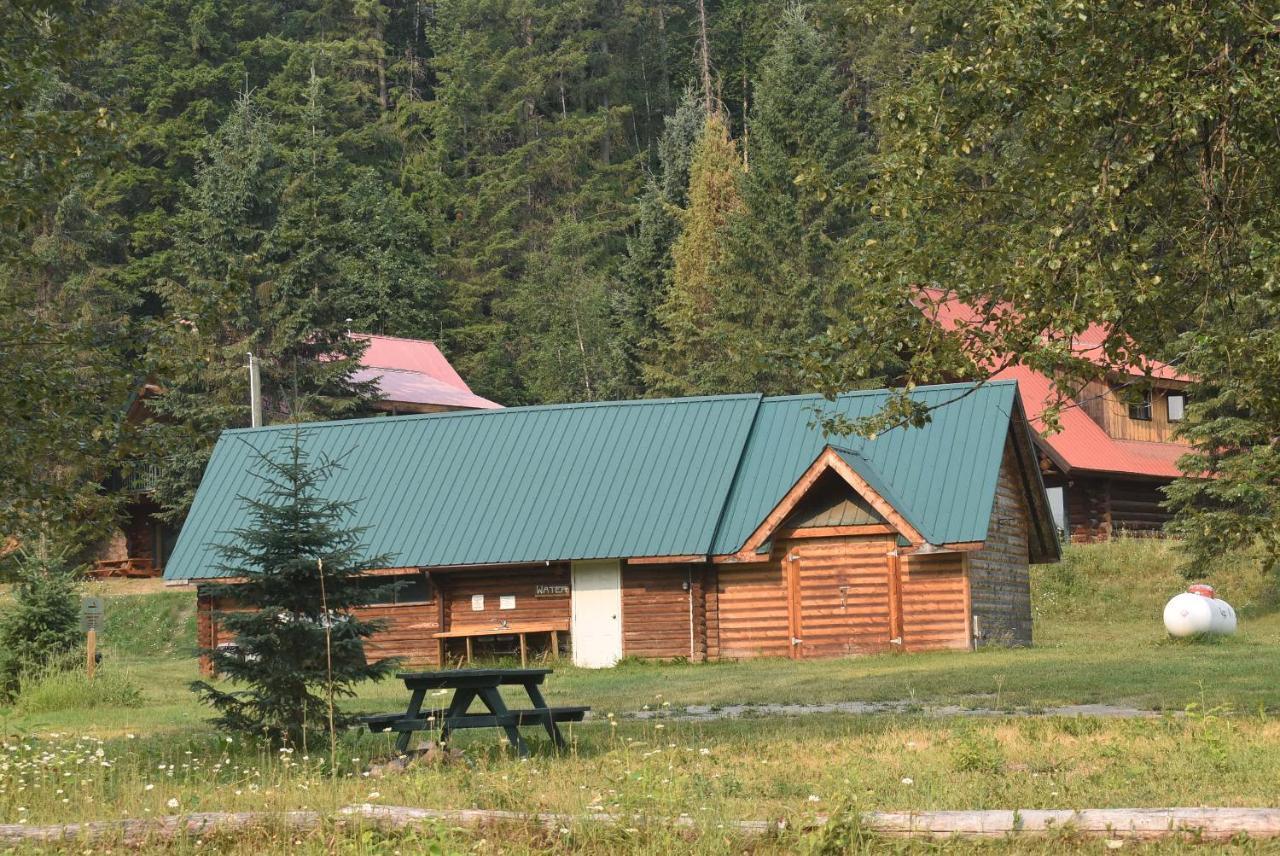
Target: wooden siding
{"x": 409, "y": 626}
{"x": 842, "y": 589}
{"x": 1136, "y": 507}
{"x": 711, "y": 609}
{"x": 752, "y": 606}
{"x": 657, "y": 611}
{"x": 458, "y": 589}
{"x": 1000, "y": 586}
{"x": 831, "y": 593}
{"x": 406, "y": 634}
{"x": 935, "y": 612}
{"x": 1111, "y": 412}
{"x": 831, "y": 502}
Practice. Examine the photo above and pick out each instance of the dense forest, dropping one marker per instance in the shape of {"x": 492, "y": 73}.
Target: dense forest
{"x": 594, "y": 199}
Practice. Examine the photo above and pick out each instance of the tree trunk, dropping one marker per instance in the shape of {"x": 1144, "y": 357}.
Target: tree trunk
{"x": 704, "y": 51}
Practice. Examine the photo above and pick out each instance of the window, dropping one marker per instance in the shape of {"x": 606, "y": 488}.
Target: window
{"x": 1141, "y": 409}
{"x": 413, "y": 588}
{"x": 1058, "y": 507}
{"x": 1177, "y": 406}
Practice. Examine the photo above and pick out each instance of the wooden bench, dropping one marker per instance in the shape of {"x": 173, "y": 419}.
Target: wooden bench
{"x": 555, "y": 628}
{"x": 398, "y": 722}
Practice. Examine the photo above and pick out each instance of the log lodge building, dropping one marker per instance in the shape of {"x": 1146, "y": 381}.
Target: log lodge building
{"x": 706, "y": 528}
{"x": 1115, "y": 446}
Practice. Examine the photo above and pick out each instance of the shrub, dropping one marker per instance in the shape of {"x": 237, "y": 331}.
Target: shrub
{"x": 43, "y": 625}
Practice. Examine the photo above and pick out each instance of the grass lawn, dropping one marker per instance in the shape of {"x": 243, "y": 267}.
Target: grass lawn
{"x": 1099, "y": 640}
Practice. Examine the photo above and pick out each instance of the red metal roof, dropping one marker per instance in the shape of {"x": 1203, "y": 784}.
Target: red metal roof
{"x": 414, "y": 371}
{"x": 951, "y": 314}
{"x": 1081, "y": 444}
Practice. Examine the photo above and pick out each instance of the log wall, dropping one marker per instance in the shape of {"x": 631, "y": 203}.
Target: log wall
{"x": 1099, "y": 507}
{"x": 839, "y": 595}
{"x": 752, "y": 601}
{"x": 458, "y": 589}
{"x": 999, "y": 578}
{"x": 658, "y": 613}
{"x": 935, "y": 609}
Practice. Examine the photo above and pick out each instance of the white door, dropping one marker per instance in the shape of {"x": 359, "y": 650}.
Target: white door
{"x": 596, "y": 620}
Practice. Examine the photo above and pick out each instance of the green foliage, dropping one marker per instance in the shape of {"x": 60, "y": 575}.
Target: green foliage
{"x": 802, "y": 202}
{"x": 297, "y": 644}
{"x": 690, "y": 352}
{"x": 159, "y": 624}
{"x": 1233, "y": 420}
{"x": 648, "y": 267}
{"x": 977, "y": 752}
{"x": 49, "y": 131}
{"x": 42, "y": 625}
{"x": 264, "y": 265}
{"x": 531, "y": 129}
{"x": 1121, "y": 174}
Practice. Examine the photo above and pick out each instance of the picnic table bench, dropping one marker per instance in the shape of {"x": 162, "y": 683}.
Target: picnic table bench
{"x": 521, "y": 631}
{"x": 469, "y": 685}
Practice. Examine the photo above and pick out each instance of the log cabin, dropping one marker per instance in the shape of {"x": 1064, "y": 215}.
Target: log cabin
{"x": 412, "y": 376}
{"x": 1115, "y": 445}
{"x": 708, "y": 528}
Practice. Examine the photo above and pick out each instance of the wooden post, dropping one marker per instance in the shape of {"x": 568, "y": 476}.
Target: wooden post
{"x": 897, "y": 624}
{"x": 555, "y": 644}
{"x": 524, "y": 651}
{"x": 468, "y": 639}
{"x": 91, "y": 652}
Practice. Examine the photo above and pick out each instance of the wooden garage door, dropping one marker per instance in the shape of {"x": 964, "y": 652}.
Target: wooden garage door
{"x": 839, "y": 595}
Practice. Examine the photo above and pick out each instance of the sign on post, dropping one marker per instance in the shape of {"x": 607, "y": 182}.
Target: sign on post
{"x": 92, "y": 613}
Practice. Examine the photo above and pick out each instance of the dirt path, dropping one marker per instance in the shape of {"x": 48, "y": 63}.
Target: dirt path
{"x": 704, "y": 713}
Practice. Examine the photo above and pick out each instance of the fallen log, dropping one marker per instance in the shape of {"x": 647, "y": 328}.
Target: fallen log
{"x": 1201, "y": 824}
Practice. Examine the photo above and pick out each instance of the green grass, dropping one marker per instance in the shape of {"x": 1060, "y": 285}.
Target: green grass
{"x": 1098, "y": 639}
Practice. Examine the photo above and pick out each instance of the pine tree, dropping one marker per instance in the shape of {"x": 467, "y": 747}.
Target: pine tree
{"x": 801, "y": 205}
{"x": 282, "y": 246}
{"x": 298, "y": 644}
{"x": 1230, "y": 499}
{"x": 531, "y": 128}
{"x": 42, "y": 626}
{"x": 645, "y": 275}
{"x": 693, "y": 342}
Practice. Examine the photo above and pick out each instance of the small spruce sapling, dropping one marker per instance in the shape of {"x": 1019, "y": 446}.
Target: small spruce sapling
{"x": 298, "y": 642}
{"x": 42, "y": 627}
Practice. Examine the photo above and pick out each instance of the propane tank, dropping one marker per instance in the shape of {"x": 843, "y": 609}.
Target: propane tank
{"x": 1198, "y": 610}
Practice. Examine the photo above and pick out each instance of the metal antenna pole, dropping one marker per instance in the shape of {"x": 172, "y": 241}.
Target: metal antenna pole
{"x": 255, "y": 394}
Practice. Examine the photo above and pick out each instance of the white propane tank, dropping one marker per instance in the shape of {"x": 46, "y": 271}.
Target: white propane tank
{"x": 1197, "y": 611}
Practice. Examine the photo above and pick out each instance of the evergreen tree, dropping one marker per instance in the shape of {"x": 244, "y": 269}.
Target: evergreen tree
{"x": 42, "y": 626}
{"x": 645, "y": 275}
{"x": 1230, "y": 499}
{"x": 802, "y": 202}
{"x": 694, "y": 341}
{"x": 282, "y": 246}
{"x": 531, "y": 128}
{"x": 298, "y": 643}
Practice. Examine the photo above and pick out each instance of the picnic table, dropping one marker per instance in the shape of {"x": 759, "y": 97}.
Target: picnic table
{"x": 469, "y": 685}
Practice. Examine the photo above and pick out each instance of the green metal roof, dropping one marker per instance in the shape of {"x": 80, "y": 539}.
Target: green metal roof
{"x": 942, "y": 477}
{"x": 668, "y": 477}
